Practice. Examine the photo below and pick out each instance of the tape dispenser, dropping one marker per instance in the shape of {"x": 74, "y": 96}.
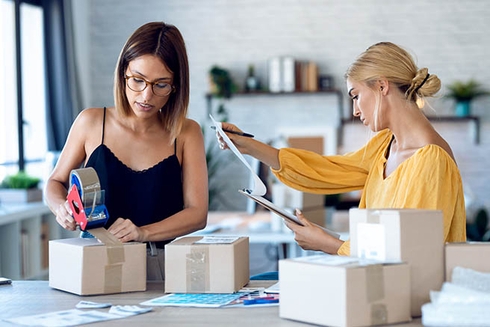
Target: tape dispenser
{"x": 86, "y": 199}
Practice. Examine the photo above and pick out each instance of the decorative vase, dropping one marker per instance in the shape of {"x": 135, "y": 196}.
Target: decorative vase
{"x": 463, "y": 108}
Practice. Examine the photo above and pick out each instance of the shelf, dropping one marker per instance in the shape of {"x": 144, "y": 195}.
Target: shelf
{"x": 475, "y": 120}
{"x": 335, "y": 92}
{"x": 25, "y": 230}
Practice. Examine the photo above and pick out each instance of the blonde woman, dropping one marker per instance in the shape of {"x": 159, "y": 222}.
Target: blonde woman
{"x": 407, "y": 164}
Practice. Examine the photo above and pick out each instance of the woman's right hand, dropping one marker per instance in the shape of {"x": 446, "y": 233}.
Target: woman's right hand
{"x": 248, "y": 145}
{"x": 238, "y": 140}
{"x": 64, "y": 217}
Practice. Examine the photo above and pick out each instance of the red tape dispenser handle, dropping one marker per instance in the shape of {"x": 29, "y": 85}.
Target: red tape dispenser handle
{"x": 86, "y": 199}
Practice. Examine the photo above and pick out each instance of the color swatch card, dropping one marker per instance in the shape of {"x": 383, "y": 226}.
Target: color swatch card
{"x": 205, "y": 300}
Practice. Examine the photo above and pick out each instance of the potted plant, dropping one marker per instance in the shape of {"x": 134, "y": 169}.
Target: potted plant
{"x": 222, "y": 87}
{"x": 19, "y": 188}
{"x": 463, "y": 93}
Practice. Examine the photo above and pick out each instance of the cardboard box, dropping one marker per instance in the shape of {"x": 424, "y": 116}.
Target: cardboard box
{"x": 310, "y": 143}
{"x": 472, "y": 255}
{"x": 341, "y": 291}
{"x": 84, "y": 266}
{"x": 210, "y": 264}
{"x": 408, "y": 235}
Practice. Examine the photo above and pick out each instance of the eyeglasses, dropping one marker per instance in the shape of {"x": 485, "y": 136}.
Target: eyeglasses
{"x": 138, "y": 84}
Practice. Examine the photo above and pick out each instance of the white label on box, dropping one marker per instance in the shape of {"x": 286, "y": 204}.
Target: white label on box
{"x": 371, "y": 242}
{"x": 217, "y": 240}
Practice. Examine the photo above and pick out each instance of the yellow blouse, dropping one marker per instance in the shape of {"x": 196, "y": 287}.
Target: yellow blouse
{"x": 429, "y": 179}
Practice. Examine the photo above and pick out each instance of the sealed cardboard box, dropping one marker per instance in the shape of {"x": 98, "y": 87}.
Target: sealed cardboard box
{"x": 409, "y": 235}
{"x": 343, "y": 291}
{"x": 209, "y": 264}
{"x": 84, "y": 266}
{"x": 472, "y": 255}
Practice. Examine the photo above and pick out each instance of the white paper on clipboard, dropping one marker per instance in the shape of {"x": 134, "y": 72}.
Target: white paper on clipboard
{"x": 259, "y": 186}
{"x": 259, "y": 189}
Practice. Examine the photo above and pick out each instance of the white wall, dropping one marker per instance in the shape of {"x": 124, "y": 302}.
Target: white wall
{"x": 450, "y": 38}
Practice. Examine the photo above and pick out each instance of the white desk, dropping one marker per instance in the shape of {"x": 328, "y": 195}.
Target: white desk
{"x": 36, "y": 297}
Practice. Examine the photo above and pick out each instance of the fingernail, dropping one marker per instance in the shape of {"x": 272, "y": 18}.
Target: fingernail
{"x": 298, "y": 212}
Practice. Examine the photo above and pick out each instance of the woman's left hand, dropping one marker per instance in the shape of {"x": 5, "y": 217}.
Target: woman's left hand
{"x": 126, "y": 231}
{"x": 312, "y": 237}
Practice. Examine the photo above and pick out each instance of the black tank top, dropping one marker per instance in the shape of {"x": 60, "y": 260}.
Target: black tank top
{"x": 144, "y": 197}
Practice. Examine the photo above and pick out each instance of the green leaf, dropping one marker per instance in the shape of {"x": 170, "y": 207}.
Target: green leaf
{"x": 20, "y": 181}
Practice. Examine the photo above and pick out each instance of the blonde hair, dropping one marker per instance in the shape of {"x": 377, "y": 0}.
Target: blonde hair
{"x": 390, "y": 61}
{"x": 165, "y": 42}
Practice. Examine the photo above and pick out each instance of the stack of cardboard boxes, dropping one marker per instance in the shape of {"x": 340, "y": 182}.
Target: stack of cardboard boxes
{"x": 397, "y": 258}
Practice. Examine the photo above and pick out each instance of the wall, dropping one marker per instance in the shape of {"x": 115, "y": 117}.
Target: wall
{"x": 449, "y": 38}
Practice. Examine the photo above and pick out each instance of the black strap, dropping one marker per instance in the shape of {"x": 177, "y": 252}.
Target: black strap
{"x": 103, "y": 127}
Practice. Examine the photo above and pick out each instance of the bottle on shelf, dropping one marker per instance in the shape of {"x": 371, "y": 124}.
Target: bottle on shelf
{"x": 251, "y": 83}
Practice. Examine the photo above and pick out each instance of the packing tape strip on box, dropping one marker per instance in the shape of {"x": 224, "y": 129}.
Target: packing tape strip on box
{"x": 197, "y": 266}
{"x": 375, "y": 292}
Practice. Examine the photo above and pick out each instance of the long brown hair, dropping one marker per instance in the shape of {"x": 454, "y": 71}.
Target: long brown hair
{"x": 165, "y": 42}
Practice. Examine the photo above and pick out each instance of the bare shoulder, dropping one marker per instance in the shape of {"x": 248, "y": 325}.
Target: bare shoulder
{"x": 191, "y": 128}
{"x": 87, "y": 117}
{"x": 88, "y": 126}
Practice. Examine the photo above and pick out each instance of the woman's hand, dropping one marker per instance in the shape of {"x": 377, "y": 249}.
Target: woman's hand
{"x": 313, "y": 237}
{"x": 126, "y": 231}
{"x": 64, "y": 216}
{"x": 238, "y": 140}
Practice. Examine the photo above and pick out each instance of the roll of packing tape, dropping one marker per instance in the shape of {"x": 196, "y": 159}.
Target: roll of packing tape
{"x": 86, "y": 180}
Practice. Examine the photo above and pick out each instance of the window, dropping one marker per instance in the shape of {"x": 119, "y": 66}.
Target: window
{"x": 34, "y": 145}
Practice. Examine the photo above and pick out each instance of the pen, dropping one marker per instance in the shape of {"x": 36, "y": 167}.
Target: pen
{"x": 233, "y": 132}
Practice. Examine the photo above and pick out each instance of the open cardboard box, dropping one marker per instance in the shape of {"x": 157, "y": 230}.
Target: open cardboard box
{"x": 85, "y": 266}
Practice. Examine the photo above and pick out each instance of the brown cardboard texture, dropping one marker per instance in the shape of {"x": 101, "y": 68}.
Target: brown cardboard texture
{"x": 472, "y": 255}
{"x": 84, "y": 266}
{"x": 340, "y": 291}
{"x": 210, "y": 264}
{"x": 317, "y": 216}
{"x": 408, "y": 235}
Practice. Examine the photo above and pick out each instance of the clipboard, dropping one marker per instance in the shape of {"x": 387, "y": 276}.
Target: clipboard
{"x": 259, "y": 189}
{"x": 271, "y": 207}
{"x": 280, "y": 211}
